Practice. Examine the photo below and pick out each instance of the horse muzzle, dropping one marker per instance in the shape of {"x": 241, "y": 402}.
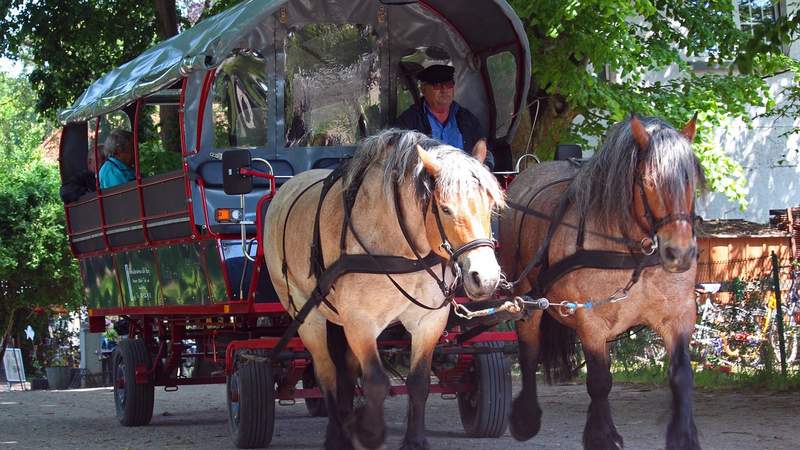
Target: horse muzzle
{"x": 480, "y": 273}
{"x": 675, "y": 258}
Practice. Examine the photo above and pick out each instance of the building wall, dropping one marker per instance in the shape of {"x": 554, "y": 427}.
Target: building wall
{"x": 771, "y": 162}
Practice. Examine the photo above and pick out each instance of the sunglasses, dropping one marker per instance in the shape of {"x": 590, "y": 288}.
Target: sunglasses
{"x": 443, "y": 85}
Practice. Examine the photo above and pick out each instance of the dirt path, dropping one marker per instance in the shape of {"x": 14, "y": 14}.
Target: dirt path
{"x": 195, "y": 417}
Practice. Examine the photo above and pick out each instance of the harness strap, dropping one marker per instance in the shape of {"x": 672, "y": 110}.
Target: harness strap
{"x": 454, "y": 254}
{"x": 284, "y": 266}
{"x": 404, "y": 229}
{"x": 596, "y": 259}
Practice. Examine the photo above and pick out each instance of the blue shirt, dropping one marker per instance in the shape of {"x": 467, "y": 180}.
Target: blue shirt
{"x": 448, "y": 132}
{"x": 114, "y": 172}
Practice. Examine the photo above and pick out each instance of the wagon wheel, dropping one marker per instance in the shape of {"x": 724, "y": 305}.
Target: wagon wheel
{"x": 251, "y": 405}
{"x": 133, "y": 401}
{"x": 485, "y": 409}
{"x": 315, "y": 406}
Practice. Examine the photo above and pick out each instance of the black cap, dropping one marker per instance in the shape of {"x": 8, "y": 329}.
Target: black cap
{"x": 436, "y": 74}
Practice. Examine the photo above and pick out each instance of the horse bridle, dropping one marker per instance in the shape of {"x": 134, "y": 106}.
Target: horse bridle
{"x": 447, "y": 247}
{"x": 656, "y": 224}
{"x": 452, "y": 263}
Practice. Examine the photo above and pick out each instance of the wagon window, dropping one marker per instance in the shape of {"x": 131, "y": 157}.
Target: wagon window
{"x": 158, "y": 138}
{"x": 116, "y": 120}
{"x": 503, "y": 73}
{"x": 240, "y": 101}
{"x": 332, "y": 91}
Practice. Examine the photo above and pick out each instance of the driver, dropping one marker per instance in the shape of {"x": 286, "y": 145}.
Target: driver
{"x": 441, "y": 117}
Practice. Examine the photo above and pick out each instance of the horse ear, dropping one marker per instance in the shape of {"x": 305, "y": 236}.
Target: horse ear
{"x": 429, "y": 162}
{"x": 640, "y": 134}
{"x": 479, "y": 151}
{"x": 690, "y": 128}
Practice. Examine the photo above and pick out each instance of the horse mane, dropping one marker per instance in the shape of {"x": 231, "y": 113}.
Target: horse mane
{"x": 395, "y": 153}
{"x": 603, "y": 186}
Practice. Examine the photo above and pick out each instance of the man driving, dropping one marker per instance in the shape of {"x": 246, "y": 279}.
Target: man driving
{"x": 441, "y": 117}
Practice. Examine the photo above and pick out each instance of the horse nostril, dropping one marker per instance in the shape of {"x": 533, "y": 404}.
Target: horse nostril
{"x": 670, "y": 254}
{"x": 475, "y": 277}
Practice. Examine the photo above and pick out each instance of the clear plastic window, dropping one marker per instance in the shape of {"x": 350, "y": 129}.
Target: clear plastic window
{"x": 158, "y": 139}
{"x": 240, "y": 101}
{"x": 116, "y": 120}
{"x": 503, "y": 74}
{"x": 332, "y": 91}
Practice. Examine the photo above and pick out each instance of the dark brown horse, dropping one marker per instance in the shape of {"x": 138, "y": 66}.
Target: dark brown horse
{"x": 610, "y": 242}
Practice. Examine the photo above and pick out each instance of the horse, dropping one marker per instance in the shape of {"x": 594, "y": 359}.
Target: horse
{"x": 610, "y": 242}
{"x": 402, "y": 196}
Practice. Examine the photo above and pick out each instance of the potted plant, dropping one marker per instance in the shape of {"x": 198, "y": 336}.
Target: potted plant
{"x": 59, "y": 355}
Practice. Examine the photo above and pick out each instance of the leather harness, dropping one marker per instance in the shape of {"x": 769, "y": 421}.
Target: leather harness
{"x": 367, "y": 262}
{"x": 635, "y": 258}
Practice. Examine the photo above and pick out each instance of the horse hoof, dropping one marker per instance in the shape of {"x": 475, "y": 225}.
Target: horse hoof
{"x": 408, "y": 445}
{"x": 525, "y": 420}
{"x": 604, "y": 441}
{"x": 364, "y": 438}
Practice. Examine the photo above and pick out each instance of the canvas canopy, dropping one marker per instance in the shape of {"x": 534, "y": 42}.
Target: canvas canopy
{"x": 482, "y": 24}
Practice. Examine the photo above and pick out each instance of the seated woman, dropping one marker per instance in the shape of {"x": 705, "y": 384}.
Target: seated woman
{"x": 118, "y": 150}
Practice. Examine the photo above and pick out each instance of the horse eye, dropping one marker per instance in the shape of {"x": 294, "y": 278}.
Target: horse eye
{"x": 446, "y": 210}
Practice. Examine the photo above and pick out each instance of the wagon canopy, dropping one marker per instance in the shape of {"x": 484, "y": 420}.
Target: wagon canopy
{"x": 483, "y": 25}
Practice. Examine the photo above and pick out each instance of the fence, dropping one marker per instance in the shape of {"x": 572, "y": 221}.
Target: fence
{"x": 741, "y": 324}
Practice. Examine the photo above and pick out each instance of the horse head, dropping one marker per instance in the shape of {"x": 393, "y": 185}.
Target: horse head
{"x": 664, "y": 192}
{"x": 458, "y": 222}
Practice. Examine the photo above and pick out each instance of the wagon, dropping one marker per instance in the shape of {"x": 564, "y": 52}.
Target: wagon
{"x": 178, "y": 263}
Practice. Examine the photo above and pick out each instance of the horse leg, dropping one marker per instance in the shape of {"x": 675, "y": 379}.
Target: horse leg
{"x": 424, "y": 337}
{"x": 526, "y": 415}
{"x": 338, "y": 388}
{"x": 369, "y": 427}
{"x": 600, "y": 432}
{"x": 681, "y": 431}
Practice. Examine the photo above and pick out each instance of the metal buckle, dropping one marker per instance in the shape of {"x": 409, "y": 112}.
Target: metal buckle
{"x": 649, "y": 245}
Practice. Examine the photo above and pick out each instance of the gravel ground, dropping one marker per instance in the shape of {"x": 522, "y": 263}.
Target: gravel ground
{"x": 195, "y": 417}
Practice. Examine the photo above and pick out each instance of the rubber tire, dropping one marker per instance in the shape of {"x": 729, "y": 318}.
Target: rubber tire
{"x": 315, "y": 406}
{"x": 255, "y": 423}
{"x": 136, "y": 409}
{"x": 484, "y": 411}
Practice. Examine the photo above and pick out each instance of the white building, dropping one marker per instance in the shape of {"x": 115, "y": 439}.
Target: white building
{"x": 770, "y": 159}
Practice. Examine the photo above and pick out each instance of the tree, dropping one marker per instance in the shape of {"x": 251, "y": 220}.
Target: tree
{"x": 70, "y": 44}
{"x": 575, "y": 43}
{"x": 36, "y": 267}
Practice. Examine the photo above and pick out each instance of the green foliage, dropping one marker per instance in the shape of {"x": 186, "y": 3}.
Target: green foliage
{"x": 573, "y": 41}
{"x": 70, "y": 44}
{"x": 36, "y": 267}
{"x": 715, "y": 380}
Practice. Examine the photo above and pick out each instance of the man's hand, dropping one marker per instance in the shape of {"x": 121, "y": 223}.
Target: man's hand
{"x": 479, "y": 150}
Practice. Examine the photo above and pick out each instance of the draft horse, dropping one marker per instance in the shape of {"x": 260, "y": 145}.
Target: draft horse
{"x": 397, "y": 228}
{"x": 610, "y": 241}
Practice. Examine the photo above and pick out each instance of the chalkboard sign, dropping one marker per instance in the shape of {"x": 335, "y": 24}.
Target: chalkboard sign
{"x": 12, "y": 363}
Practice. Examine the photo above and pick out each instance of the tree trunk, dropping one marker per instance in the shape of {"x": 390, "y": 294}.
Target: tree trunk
{"x": 551, "y": 116}
{"x": 167, "y": 16}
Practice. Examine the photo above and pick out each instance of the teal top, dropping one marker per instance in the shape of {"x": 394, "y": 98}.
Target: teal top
{"x": 114, "y": 172}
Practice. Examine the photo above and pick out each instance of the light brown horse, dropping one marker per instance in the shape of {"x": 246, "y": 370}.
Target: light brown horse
{"x": 634, "y": 197}
{"x": 446, "y": 199}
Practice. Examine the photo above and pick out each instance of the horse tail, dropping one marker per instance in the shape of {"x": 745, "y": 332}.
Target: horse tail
{"x": 558, "y": 353}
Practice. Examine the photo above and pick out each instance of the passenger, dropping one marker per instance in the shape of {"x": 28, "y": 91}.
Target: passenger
{"x": 80, "y": 182}
{"x": 441, "y": 117}
{"x": 118, "y": 149}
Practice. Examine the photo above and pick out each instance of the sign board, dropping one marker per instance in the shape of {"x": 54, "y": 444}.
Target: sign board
{"x": 12, "y": 363}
